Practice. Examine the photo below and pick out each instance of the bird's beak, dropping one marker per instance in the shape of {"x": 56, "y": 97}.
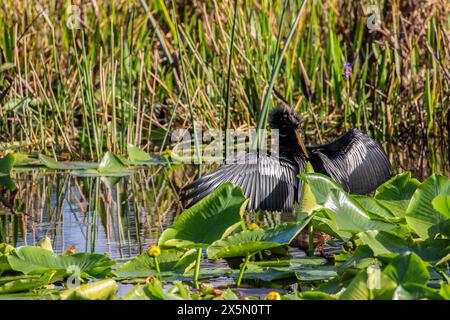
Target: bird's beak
{"x": 300, "y": 142}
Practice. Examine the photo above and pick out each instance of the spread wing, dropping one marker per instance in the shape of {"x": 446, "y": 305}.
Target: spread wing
{"x": 269, "y": 182}
{"x": 356, "y": 161}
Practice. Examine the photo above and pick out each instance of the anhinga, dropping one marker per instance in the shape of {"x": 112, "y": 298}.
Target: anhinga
{"x": 354, "y": 160}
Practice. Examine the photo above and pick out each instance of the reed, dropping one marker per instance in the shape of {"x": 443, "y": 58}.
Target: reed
{"x": 135, "y": 71}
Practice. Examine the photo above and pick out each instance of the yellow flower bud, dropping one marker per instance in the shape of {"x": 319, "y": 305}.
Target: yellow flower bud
{"x": 46, "y": 243}
{"x": 253, "y": 226}
{"x": 154, "y": 251}
{"x": 273, "y": 296}
{"x": 70, "y": 251}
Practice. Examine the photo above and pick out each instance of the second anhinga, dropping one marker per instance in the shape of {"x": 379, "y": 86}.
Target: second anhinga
{"x": 354, "y": 160}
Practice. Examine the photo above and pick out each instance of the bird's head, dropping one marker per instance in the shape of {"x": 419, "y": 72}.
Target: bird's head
{"x": 289, "y": 125}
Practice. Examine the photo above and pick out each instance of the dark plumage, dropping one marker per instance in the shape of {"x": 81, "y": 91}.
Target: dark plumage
{"x": 354, "y": 160}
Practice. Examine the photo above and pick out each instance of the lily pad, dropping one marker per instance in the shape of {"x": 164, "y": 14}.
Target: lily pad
{"x": 347, "y": 213}
{"x": 65, "y": 165}
{"x": 406, "y": 268}
{"x": 442, "y": 204}
{"x": 35, "y": 260}
{"x": 250, "y": 241}
{"x": 27, "y": 284}
{"x": 421, "y": 216}
{"x": 396, "y": 193}
{"x": 110, "y": 166}
{"x": 98, "y": 290}
{"x": 171, "y": 261}
{"x": 415, "y": 291}
{"x": 216, "y": 215}
{"x": 387, "y": 245}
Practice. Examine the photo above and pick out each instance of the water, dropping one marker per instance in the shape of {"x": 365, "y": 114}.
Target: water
{"x": 123, "y": 217}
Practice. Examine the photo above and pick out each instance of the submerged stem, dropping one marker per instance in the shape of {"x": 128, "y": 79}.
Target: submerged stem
{"x": 197, "y": 268}
{"x": 244, "y": 266}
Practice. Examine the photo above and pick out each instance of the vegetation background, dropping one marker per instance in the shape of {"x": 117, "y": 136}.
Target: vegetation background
{"x": 84, "y": 77}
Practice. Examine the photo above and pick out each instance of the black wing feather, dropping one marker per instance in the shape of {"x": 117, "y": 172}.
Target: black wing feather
{"x": 356, "y": 161}
{"x": 270, "y": 182}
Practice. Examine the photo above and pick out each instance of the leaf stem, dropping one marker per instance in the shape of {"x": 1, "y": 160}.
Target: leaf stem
{"x": 244, "y": 266}
{"x": 158, "y": 270}
{"x": 197, "y": 267}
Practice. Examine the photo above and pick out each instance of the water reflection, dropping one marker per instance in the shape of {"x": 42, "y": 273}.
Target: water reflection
{"x": 122, "y": 217}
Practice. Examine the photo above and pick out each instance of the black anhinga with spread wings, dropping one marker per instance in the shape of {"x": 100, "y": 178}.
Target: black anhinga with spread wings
{"x": 354, "y": 160}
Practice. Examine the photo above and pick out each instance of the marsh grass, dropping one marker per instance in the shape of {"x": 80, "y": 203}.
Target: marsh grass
{"x": 136, "y": 70}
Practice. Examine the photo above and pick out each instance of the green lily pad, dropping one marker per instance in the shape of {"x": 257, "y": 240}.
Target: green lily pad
{"x": 98, "y": 290}
{"x": 250, "y": 241}
{"x": 27, "y": 284}
{"x": 65, "y": 165}
{"x": 387, "y": 245}
{"x": 406, "y": 268}
{"x": 442, "y": 204}
{"x": 347, "y": 213}
{"x": 170, "y": 261}
{"x": 421, "y": 216}
{"x": 110, "y": 166}
{"x": 396, "y": 193}
{"x": 210, "y": 219}
{"x": 415, "y": 291}
{"x": 36, "y": 260}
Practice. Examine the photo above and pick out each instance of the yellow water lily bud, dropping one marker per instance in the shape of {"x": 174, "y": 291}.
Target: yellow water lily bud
{"x": 273, "y": 296}
{"x": 253, "y": 226}
{"x": 150, "y": 279}
{"x": 70, "y": 251}
{"x": 154, "y": 251}
{"x": 46, "y": 243}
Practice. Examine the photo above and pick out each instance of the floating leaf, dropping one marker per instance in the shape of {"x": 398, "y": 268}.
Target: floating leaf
{"x": 250, "y": 241}
{"x": 315, "y": 295}
{"x": 172, "y": 261}
{"x": 406, "y": 268}
{"x": 396, "y": 193}
{"x": 65, "y": 165}
{"x": 415, "y": 291}
{"x": 442, "y": 204}
{"x": 347, "y": 213}
{"x": 358, "y": 288}
{"x": 35, "y": 260}
{"x": 24, "y": 160}
{"x": 375, "y": 207}
{"x": 384, "y": 244}
{"x": 208, "y": 220}
{"x": 110, "y": 166}
{"x": 421, "y": 215}
{"x": 99, "y": 290}
{"x": 27, "y": 284}
{"x": 152, "y": 291}
{"x": 137, "y": 155}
